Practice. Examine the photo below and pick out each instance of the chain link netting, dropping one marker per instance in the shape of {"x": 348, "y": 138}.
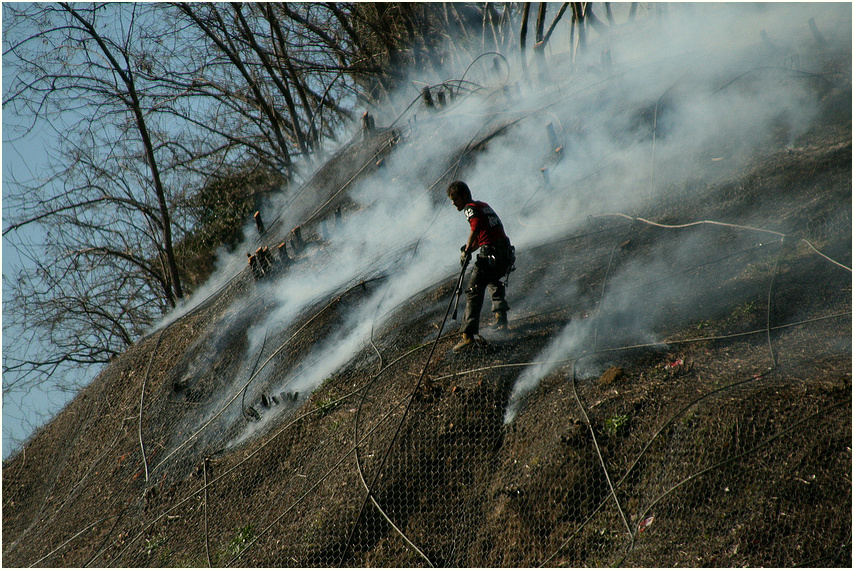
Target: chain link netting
{"x": 706, "y": 427}
{"x": 694, "y": 452}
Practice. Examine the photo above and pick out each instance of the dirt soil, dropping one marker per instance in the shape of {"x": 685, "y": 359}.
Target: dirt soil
{"x": 723, "y": 439}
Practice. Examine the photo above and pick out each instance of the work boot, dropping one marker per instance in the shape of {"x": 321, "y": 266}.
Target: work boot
{"x": 467, "y": 342}
{"x": 500, "y": 323}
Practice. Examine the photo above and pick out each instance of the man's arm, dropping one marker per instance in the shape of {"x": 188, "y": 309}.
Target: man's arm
{"x": 467, "y": 249}
{"x": 470, "y": 244}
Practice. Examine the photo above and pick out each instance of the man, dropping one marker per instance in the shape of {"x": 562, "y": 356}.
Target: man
{"x": 493, "y": 262}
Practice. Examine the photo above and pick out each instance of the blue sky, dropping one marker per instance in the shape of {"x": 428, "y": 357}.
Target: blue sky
{"x": 24, "y": 158}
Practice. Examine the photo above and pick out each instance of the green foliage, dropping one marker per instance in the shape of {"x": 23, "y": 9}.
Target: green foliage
{"x": 744, "y": 311}
{"x": 218, "y": 213}
{"x": 241, "y": 540}
{"x": 153, "y": 544}
{"x": 326, "y": 405}
{"x": 616, "y": 424}
{"x": 156, "y": 546}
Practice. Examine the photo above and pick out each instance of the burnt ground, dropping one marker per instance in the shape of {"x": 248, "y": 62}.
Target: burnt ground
{"x": 720, "y": 435}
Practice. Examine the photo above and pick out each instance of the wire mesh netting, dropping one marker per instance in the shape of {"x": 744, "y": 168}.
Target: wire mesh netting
{"x": 673, "y": 390}
{"x": 728, "y": 444}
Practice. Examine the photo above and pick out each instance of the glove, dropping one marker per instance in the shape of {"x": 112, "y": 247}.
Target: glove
{"x": 465, "y": 256}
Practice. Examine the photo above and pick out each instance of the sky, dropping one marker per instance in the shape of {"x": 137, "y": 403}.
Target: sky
{"x": 23, "y": 159}
{"x": 25, "y": 155}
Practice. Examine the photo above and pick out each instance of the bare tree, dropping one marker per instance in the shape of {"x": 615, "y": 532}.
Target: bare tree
{"x": 149, "y": 104}
{"x": 543, "y": 37}
{"x": 258, "y": 60}
{"x": 110, "y": 186}
{"x": 107, "y": 266}
{"x": 156, "y": 106}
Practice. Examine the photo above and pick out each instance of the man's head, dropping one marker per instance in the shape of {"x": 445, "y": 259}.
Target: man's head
{"x": 459, "y": 193}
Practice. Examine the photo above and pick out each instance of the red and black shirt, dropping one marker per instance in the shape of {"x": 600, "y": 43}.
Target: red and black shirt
{"x": 485, "y": 224}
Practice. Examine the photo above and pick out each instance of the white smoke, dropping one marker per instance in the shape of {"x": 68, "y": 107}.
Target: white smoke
{"x": 683, "y": 97}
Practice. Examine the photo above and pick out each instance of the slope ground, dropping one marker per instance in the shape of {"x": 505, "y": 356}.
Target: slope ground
{"x": 720, "y": 436}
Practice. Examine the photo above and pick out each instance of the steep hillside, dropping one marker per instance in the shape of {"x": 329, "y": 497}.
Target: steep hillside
{"x": 674, "y": 389}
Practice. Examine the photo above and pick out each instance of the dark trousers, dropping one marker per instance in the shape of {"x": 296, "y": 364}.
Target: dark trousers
{"x": 484, "y": 276}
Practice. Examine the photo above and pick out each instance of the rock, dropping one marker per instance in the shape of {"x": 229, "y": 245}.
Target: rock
{"x": 612, "y": 376}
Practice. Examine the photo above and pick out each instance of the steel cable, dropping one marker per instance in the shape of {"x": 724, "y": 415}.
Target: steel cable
{"x": 589, "y": 425}
{"x": 142, "y": 400}
{"x": 767, "y": 330}
{"x": 392, "y": 442}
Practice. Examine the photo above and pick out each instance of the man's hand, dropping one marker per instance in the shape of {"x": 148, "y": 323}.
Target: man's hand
{"x": 465, "y": 256}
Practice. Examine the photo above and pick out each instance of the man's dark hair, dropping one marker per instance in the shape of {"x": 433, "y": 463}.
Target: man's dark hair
{"x": 460, "y": 189}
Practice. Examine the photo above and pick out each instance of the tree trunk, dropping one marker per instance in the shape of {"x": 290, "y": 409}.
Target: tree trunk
{"x": 578, "y": 20}
{"x": 260, "y": 100}
{"x": 175, "y": 290}
{"x": 523, "y": 37}
{"x": 283, "y": 89}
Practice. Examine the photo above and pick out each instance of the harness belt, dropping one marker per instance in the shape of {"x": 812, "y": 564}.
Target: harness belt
{"x": 498, "y": 255}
